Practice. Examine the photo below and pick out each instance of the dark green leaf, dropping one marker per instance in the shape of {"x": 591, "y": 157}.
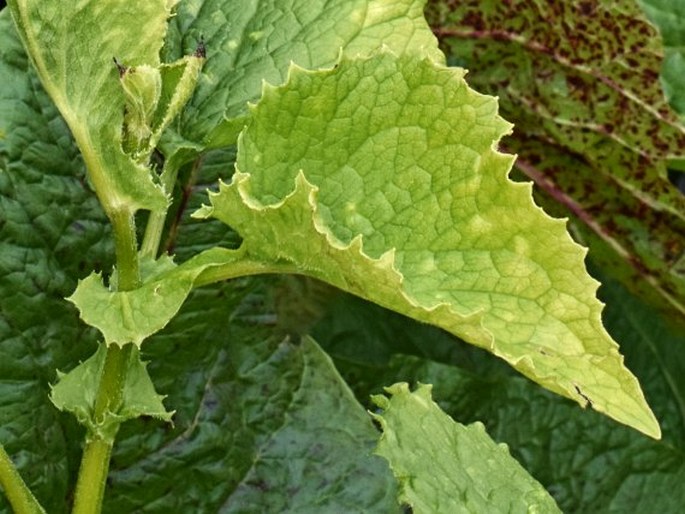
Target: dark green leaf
{"x": 263, "y": 425}
{"x": 51, "y": 232}
{"x": 669, "y": 16}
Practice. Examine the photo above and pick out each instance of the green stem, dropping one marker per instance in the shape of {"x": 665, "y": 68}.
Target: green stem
{"x": 128, "y": 272}
{"x": 90, "y": 486}
{"x": 155, "y": 224}
{"x": 153, "y": 234}
{"x": 243, "y": 268}
{"x": 18, "y": 493}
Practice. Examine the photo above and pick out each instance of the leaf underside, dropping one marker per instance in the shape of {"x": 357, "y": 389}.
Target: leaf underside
{"x": 444, "y": 467}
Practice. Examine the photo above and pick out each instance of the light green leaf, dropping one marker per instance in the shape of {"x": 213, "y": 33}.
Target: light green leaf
{"x": 75, "y": 393}
{"x": 74, "y": 62}
{"x": 132, "y": 316}
{"x": 381, "y": 177}
{"x": 249, "y": 42}
{"x": 593, "y": 129}
{"x": 587, "y": 462}
{"x": 446, "y": 467}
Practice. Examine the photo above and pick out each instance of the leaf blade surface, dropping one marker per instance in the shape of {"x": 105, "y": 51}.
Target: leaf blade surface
{"x": 446, "y": 467}
{"x": 366, "y": 166}
{"x": 249, "y": 42}
{"x": 580, "y": 82}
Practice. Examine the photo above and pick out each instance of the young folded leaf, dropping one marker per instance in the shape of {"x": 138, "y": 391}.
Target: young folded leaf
{"x": 142, "y": 87}
{"x": 74, "y": 62}
{"x": 381, "y": 176}
{"x": 154, "y": 97}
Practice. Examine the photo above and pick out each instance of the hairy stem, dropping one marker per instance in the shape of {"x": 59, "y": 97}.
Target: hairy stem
{"x": 128, "y": 272}
{"x": 18, "y": 493}
{"x": 90, "y": 487}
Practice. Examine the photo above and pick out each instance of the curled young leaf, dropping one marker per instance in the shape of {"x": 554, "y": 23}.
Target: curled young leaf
{"x": 154, "y": 97}
{"x": 142, "y": 87}
{"x": 74, "y": 63}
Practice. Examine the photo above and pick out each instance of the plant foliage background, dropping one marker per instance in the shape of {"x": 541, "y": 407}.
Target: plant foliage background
{"x": 580, "y": 80}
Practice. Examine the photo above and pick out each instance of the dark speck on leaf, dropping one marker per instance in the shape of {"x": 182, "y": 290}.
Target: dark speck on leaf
{"x": 262, "y": 485}
{"x": 201, "y": 49}
{"x": 584, "y": 396}
{"x": 122, "y": 69}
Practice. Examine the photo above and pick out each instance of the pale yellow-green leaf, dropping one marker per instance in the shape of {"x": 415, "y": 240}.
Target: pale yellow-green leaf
{"x": 381, "y": 176}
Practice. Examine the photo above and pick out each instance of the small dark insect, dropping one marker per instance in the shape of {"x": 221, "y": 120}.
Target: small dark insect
{"x": 201, "y": 50}
{"x": 581, "y": 393}
{"x": 122, "y": 69}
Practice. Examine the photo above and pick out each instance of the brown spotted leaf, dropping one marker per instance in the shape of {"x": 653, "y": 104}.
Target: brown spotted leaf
{"x": 580, "y": 80}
